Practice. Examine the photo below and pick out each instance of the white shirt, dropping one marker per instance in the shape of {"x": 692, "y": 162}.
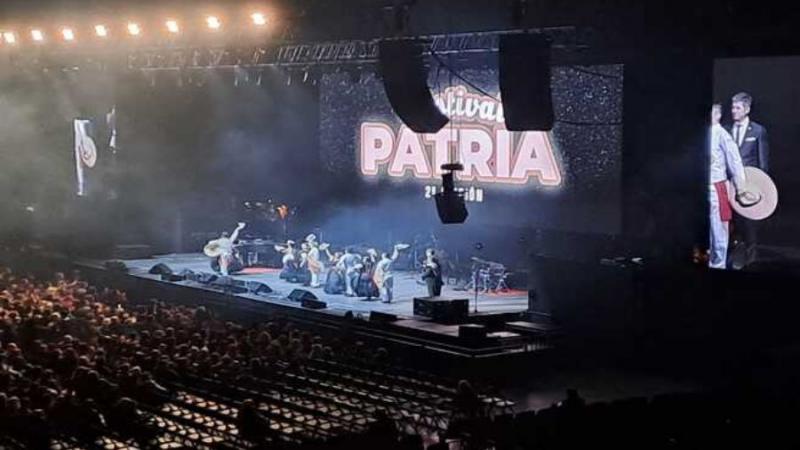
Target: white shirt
{"x": 725, "y": 158}
{"x": 349, "y": 261}
{"x": 742, "y": 130}
{"x": 385, "y": 267}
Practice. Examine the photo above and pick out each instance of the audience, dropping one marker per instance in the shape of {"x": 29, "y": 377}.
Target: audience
{"x": 83, "y": 362}
{"x": 85, "y": 359}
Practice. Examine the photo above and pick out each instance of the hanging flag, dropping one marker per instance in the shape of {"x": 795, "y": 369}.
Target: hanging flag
{"x": 111, "y": 123}
{"x": 85, "y": 152}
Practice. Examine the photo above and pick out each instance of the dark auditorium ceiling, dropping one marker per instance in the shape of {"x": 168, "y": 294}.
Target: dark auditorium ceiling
{"x": 341, "y": 19}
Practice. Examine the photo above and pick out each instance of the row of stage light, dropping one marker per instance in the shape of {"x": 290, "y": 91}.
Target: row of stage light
{"x": 133, "y": 29}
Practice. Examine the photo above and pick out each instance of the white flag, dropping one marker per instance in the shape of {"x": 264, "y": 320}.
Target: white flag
{"x": 111, "y": 122}
{"x": 85, "y": 152}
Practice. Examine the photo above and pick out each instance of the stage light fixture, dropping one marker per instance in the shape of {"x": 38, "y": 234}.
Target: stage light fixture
{"x": 101, "y": 31}
{"x": 258, "y": 19}
{"x": 9, "y": 37}
{"x": 37, "y": 35}
{"x": 68, "y": 34}
{"x": 133, "y": 29}
{"x": 213, "y": 22}
{"x": 172, "y": 26}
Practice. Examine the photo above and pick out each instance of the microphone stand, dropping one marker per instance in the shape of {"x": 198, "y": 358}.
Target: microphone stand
{"x": 475, "y": 272}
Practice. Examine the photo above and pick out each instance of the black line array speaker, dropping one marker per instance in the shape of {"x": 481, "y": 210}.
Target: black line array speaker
{"x": 450, "y": 205}
{"x": 525, "y": 82}
{"x": 405, "y": 80}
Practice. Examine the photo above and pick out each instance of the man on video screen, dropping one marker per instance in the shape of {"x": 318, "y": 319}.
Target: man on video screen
{"x": 751, "y": 138}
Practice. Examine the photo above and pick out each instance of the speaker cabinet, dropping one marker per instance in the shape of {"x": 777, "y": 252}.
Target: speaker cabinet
{"x": 525, "y": 82}
{"x": 405, "y": 80}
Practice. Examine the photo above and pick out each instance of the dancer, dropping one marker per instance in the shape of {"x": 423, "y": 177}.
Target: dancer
{"x": 384, "y": 277}
{"x": 303, "y": 273}
{"x": 350, "y": 263}
{"x": 335, "y": 281}
{"x": 366, "y": 284}
{"x": 289, "y": 260}
{"x": 315, "y": 264}
{"x": 224, "y": 259}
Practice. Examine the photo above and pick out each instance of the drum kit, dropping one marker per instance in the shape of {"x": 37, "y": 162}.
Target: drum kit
{"x": 487, "y": 276}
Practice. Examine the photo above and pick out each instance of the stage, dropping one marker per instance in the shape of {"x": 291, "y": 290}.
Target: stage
{"x": 407, "y": 285}
{"x": 497, "y": 312}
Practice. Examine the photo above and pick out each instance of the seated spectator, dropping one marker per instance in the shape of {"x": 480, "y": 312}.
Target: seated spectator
{"x": 252, "y": 425}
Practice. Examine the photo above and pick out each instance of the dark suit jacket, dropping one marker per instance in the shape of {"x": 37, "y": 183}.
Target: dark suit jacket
{"x": 755, "y": 147}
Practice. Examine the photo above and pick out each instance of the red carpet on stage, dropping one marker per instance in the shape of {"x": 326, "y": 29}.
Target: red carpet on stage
{"x": 508, "y": 293}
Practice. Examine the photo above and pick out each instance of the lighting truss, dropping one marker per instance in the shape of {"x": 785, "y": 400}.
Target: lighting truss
{"x": 302, "y": 55}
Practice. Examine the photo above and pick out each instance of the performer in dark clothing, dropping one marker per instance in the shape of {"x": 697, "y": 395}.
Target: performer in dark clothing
{"x": 751, "y": 138}
{"x": 432, "y": 274}
{"x": 335, "y": 281}
{"x": 366, "y": 284}
{"x": 225, "y": 260}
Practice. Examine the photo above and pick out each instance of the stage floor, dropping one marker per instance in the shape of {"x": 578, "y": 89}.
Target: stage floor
{"x": 406, "y": 287}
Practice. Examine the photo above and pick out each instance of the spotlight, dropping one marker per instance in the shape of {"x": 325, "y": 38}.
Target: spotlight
{"x": 133, "y": 29}
{"x": 213, "y": 22}
{"x": 101, "y": 31}
{"x": 10, "y": 37}
{"x": 173, "y": 27}
{"x": 68, "y": 34}
{"x": 37, "y": 35}
{"x": 259, "y": 19}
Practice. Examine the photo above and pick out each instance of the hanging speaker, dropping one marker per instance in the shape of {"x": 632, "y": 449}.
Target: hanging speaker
{"x": 405, "y": 79}
{"x": 525, "y": 82}
{"x": 450, "y": 205}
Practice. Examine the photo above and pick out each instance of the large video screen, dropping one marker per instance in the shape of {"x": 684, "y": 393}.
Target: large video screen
{"x": 753, "y": 186}
{"x": 568, "y": 179}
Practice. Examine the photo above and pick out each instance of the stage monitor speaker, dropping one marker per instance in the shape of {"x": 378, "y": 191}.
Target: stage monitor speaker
{"x": 442, "y": 310}
{"x": 206, "y": 278}
{"x": 188, "y": 274}
{"x": 116, "y": 266}
{"x": 472, "y": 332}
{"x": 405, "y": 80}
{"x": 258, "y": 288}
{"x": 298, "y": 295}
{"x": 525, "y": 82}
{"x": 230, "y": 285}
{"x": 312, "y": 303}
{"x": 160, "y": 269}
{"x": 381, "y": 317}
